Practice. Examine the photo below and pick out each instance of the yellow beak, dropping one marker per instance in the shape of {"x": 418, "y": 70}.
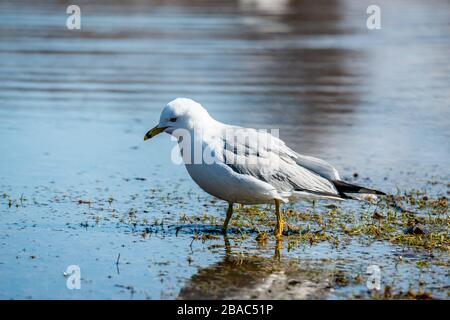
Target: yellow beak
{"x": 153, "y": 132}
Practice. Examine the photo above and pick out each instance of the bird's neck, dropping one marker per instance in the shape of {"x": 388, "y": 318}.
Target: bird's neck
{"x": 208, "y": 126}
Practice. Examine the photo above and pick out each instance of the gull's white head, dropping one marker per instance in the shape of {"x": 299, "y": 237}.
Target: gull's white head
{"x": 181, "y": 113}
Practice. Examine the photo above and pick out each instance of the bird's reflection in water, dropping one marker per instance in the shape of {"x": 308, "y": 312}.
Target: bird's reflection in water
{"x": 239, "y": 276}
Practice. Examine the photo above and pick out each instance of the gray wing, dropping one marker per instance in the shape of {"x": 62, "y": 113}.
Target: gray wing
{"x": 319, "y": 166}
{"x": 267, "y": 158}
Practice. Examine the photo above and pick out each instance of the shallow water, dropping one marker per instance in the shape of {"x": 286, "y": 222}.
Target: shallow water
{"x": 74, "y": 106}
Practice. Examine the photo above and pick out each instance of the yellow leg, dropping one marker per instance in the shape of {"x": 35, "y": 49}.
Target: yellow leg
{"x": 228, "y": 218}
{"x": 279, "y": 229}
{"x": 278, "y": 247}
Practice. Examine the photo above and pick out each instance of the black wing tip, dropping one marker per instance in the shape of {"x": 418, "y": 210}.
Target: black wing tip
{"x": 345, "y": 187}
{"x": 371, "y": 191}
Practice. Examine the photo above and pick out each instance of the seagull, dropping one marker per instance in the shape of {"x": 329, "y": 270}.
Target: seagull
{"x": 249, "y": 166}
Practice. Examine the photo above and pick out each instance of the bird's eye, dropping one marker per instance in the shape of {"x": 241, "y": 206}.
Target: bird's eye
{"x": 173, "y": 119}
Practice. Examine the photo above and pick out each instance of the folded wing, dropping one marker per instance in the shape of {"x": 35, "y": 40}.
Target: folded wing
{"x": 267, "y": 158}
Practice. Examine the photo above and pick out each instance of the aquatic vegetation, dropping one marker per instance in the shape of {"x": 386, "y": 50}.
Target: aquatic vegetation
{"x": 421, "y": 225}
{"x": 410, "y": 219}
{"x": 414, "y": 224}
